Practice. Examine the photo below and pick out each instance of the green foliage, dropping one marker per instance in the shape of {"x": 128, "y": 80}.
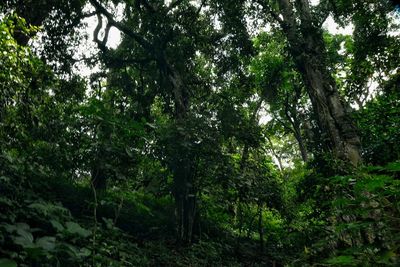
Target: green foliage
{"x": 379, "y": 123}
{"x": 353, "y": 219}
{"x": 7, "y": 263}
{"x": 200, "y": 115}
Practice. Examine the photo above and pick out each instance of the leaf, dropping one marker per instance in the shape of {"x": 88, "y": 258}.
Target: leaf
{"x": 7, "y": 263}
{"x": 25, "y": 241}
{"x": 84, "y": 252}
{"x": 130, "y": 154}
{"x": 22, "y": 226}
{"x": 46, "y": 242}
{"x": 74, "y": 228}
{"x": 25, "y": 238}
{"x": 57, "y": 225}
{"x": 342, "y": 260}
{"x": 9, "y": 227}
{"x": 394, "y": 167}
{"x": 39, "y": 207}
{"x": 378, "y": 182}
{"x": 151, "y": 125}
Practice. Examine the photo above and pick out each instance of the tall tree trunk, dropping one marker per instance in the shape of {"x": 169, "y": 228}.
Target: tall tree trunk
{"x": 185, "y": 200}
{"x": 307, "y": 48}
{"x": 184, "y": 190}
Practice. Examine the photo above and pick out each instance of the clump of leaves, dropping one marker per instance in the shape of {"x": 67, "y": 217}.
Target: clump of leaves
{"x": 359, "y": 225}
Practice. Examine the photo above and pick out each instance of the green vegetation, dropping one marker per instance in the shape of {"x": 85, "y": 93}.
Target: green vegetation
{"x": 216, "y": 133}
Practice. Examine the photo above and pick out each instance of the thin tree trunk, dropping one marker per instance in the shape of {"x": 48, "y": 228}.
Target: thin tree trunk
{"x": 260, "y": 227}
{"x": 294, "y": 121}
{"x": 275, "y": 154}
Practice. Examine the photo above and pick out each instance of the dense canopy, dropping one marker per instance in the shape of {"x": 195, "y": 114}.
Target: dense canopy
{"x": 213, "y": 133}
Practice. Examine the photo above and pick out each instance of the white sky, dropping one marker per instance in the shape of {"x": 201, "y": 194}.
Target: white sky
{"x": 115, "y": 36}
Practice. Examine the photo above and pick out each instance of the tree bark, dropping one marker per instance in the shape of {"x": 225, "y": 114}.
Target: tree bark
{"x": 306, "y": 46}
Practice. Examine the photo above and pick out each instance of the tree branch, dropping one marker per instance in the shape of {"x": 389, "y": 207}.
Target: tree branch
{"x": 284, "y": 125}
{"x": 273, "y": 151}
{"x": 100, "y": 44}
{"x": 88, "y": 15}
{"x": 321, "y": 12}
{"x": 122, "y": 27}
{"x": 200, "y": 7}
{"x": 270, "y": 11}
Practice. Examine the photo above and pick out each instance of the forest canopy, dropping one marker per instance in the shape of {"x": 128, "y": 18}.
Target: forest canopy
{"x": 214, "y": 133}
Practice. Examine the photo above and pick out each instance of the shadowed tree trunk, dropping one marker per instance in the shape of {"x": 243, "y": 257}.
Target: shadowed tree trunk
{"x": 260, "y": 227}
{"x": 184, "y": 190}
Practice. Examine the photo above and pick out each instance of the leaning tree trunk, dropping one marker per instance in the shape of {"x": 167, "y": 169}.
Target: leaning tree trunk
{"x": 307, "y": 48}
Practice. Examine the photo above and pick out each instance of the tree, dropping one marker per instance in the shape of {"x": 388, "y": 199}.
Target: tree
{"x": 301, "y": 25}
{"x": 165, "y": 37}
{"x": 280, "y": 85}
{"x": 58, "y": 20}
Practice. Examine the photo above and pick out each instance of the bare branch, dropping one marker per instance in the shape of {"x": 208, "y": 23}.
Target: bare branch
{"x": 122, "y": 27}
{"x": 88, "y": 15}
{"x": 100, "y": 44}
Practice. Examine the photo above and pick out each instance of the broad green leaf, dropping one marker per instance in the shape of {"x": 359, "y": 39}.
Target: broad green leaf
{"x": 25, "y": 237}
{"x": 84, "y": 252}
{"x": 22, "y": 226}
{"x": 25, "y": 240}
{"x": 46, "y": 242}
{"x": 71, "y": 250}
{"x": 74, "y": 228}
{"x": 40, "y": 207}
{"x": 10, "y": 227}
{"x": 57, "y": 225}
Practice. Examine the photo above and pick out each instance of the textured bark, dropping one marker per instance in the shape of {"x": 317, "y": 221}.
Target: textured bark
{"x": 307, "y": 48}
